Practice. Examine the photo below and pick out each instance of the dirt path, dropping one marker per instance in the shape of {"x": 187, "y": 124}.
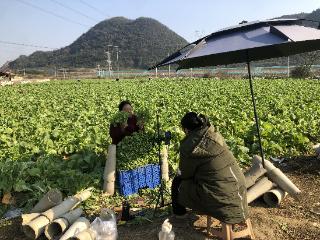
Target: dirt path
{"x": 292, "y": 220}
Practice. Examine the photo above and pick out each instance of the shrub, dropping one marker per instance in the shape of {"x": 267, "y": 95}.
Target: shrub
{"x": 301, "y": 72}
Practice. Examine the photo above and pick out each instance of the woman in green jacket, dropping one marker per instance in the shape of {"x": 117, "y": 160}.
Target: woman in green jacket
{"x": 211, "y": 181}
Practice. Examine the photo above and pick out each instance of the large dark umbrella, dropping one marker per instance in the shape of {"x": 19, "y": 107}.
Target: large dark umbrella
{"x": 245, "y": 43}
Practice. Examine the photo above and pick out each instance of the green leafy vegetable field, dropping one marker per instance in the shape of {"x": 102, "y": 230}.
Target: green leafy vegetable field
{"x": 55, "y": 134}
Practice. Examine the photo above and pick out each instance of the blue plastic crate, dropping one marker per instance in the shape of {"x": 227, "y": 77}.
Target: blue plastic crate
{"x": 135, "y": 180}
{"x": 125, "y": 183}
{"x": 142, "y": 177}
{"x": 156, "y": 178}
{"x": 148, "y": 176}
{"x": 131, "y": 181}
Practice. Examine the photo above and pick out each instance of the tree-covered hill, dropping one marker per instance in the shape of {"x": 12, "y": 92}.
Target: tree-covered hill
{"x": 142, "y": 42}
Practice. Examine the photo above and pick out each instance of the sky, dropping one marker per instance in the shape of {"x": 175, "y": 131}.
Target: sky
{"x": 30, "y": 25}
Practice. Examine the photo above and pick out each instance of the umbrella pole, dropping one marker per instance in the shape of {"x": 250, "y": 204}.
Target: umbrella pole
{"x": 255, "y": 113}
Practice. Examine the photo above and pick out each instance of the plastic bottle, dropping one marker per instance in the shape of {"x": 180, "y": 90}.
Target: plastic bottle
{"x": 125, "y": 216}
{"x": 166, "y": 232}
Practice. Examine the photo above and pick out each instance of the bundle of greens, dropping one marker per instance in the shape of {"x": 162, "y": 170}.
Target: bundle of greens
{"x": 136, "y": 150}
{"x": 120, "y": 117}
{"x": 143, "y": 116}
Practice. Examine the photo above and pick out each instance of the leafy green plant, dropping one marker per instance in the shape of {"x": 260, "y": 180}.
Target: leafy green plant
{"x": 136, "y": 150}
{"x": 54, "y": 135}
{"x": 143, "y": 115}
{"x": 120, "y": 117}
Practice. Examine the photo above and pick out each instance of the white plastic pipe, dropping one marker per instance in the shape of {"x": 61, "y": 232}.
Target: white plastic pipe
{"x": 110, "y": 170}
{"x": 29, "y": 217}
{"x": 255, "y": 172}
{"x": 56, "y": 228}
{"x": 164, "y": 164}
{"x": 274, "y": 197}
{"x": 257, "y": 190}
{"x": 278, "y": 177}
{"x": 59, "y": 225}
{"x": 49, "y": 200}
{"x": 67, "y": 205}
{"x": 78, "y": 226}
{"x": 36, "y": 227}
{"x": 87, "y": 234}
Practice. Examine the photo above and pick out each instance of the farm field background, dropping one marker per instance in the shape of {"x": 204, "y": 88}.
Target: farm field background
{"x": 55, "y": 134}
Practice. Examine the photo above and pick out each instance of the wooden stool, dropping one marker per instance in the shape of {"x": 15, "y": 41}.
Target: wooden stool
{"x": 226, "y": 232}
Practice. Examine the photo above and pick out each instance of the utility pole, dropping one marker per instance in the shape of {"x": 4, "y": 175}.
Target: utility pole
{"x": 64, "y": 73}
{"x": 99, "y": 73}
{"x": 109, "y": 59}
{"x": 117, "y": 51}
{"x": 109, "y": 62}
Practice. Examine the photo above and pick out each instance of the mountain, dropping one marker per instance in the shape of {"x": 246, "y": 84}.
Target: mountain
{"x": 314, "y": 16}
{"x": 296, "y": 15}
{"x": 304, "y": 58}
{"x": 141, "y": 43}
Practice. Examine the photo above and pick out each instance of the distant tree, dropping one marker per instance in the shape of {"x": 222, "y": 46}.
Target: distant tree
{"x": 304, "y": 69}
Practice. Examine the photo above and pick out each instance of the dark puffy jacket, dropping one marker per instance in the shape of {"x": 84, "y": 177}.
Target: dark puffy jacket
{"x": 213, "y": 183}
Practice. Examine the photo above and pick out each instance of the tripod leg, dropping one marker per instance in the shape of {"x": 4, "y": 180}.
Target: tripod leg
{"x": 156, "y": 207}
{"x": 160, "y": 199}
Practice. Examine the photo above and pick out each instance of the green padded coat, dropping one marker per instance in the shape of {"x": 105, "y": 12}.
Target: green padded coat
{"x": 212, "y": 182}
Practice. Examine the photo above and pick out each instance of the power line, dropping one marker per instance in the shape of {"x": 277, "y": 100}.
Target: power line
{"x": 62, "y": 17}
{"x": 74, "y": 10}
{"x": 94, "y": 8}
{"x": 52, "y": 13}
{"x": 26, "y": 45}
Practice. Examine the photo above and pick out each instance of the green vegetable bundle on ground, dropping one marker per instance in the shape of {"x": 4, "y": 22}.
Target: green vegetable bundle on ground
{"x": 137, "y": 150}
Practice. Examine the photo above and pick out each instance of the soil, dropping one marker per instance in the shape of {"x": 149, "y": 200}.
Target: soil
{"x": 291, "y": 220}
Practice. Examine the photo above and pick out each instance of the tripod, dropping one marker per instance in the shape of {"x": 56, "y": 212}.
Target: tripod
{"x": 160, "y": 199}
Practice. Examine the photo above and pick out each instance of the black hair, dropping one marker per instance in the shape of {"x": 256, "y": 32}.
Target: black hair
{"x": 192, "y": 121}
{"x": 122, "y": 104}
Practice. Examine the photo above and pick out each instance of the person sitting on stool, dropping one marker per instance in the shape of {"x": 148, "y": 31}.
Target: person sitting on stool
{"x": 211, "y": 182}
